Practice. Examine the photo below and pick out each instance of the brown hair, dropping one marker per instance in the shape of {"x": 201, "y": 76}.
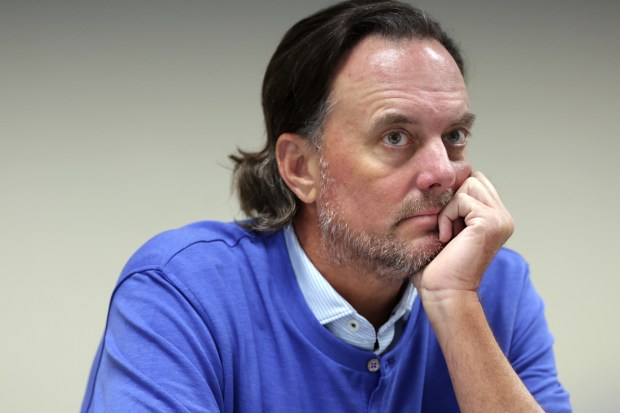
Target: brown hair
{"x": 296, "y": 89}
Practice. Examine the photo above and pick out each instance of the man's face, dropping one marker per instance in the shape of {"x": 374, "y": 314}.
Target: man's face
{"x": 393, "y": 153}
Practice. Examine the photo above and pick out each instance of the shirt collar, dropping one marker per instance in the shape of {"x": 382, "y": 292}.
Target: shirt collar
{"x": 324, "y": 301}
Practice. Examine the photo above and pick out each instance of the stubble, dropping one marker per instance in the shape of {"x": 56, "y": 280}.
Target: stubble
{"x": 382, "y": 254}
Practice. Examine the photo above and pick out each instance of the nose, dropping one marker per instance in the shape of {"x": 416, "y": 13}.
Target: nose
{"x": 435, "y": 170}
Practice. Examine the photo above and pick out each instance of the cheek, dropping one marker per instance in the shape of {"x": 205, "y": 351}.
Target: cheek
{"x": 381, "y": 198}
{"x": 363, "y": 196}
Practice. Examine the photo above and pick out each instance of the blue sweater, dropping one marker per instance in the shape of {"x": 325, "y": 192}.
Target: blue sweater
{"x": 209, "y": 318}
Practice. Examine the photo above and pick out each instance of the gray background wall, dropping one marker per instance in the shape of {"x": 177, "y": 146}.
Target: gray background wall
{"x": 116, "y": 119}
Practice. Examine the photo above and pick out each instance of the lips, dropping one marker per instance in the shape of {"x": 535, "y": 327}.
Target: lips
{"x": 423, "y": 209}
{"x": 433, "y": 211}
{"x": 425, "y": 217}
{"x": 424, "y": 213}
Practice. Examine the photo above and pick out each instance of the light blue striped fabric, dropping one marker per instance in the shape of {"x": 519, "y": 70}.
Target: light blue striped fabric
{"x": 335, "y": 313}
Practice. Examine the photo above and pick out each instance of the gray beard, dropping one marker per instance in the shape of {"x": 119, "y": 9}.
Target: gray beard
{"x": 388, "y": 258}
{"x": 384, "y": 255}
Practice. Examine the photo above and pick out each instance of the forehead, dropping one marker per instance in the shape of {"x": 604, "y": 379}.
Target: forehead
{"x": 401, "y": 67}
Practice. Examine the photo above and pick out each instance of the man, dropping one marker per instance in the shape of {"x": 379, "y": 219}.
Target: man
{"x": 370, "y": 275}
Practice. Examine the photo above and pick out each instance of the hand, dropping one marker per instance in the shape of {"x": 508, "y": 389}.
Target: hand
{"x": 474, "y": 225}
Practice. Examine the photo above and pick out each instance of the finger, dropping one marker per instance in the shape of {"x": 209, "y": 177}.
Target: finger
{"x": 477, "y": 189}
{"x": 480, "y": 177}
{"x": 458, "y": 225}
{"x": 448, "y": 221}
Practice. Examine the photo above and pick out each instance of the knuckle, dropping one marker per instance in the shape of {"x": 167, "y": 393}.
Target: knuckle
{"x": 461, "y": 197}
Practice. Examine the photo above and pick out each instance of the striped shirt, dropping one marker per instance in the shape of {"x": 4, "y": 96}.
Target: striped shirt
{"x": 336, "y": 314}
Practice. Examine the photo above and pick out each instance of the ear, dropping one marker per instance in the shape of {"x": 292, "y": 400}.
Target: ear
{"x": 298, "y": 166}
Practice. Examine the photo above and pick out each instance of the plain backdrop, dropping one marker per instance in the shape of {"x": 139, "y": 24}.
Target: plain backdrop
{"x": 116, "y": 119}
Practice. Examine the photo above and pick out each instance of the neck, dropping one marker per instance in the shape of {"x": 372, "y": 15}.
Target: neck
{"x": 372, "y": 296}
{"x": 373, "y": 299}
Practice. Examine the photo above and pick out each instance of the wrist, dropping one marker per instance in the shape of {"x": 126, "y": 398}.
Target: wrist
{"x": 449, "y": 310}
{"x": 448, "y": 299}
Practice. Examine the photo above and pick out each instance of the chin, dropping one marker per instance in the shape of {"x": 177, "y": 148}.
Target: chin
{"x": 426, "y": 244}
{"x": 407, "y": 258}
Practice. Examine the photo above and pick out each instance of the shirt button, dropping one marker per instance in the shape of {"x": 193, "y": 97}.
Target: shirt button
{"x": 373, "y": 365}
{"x": 354, "y": 325}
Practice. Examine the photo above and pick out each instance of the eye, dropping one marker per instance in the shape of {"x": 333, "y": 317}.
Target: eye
{"x": 395, "y": 138}
{"x": 456, "y": 137}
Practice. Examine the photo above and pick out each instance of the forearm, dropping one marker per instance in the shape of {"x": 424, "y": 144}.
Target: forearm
{"x": 482, "y": 377}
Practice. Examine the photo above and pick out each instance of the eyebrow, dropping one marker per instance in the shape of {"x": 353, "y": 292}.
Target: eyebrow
{"x": 393, "y": 118}
{"x": 399, "y": 119}
{"x": 467, "y": 119}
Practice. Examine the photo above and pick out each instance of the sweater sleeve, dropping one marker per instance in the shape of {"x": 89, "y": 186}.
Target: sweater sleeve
{"x": 157, "y": 353}
{"x": 531, "y": 351}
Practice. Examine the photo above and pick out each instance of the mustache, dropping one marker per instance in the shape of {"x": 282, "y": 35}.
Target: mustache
{"x": 415, "y": 205}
